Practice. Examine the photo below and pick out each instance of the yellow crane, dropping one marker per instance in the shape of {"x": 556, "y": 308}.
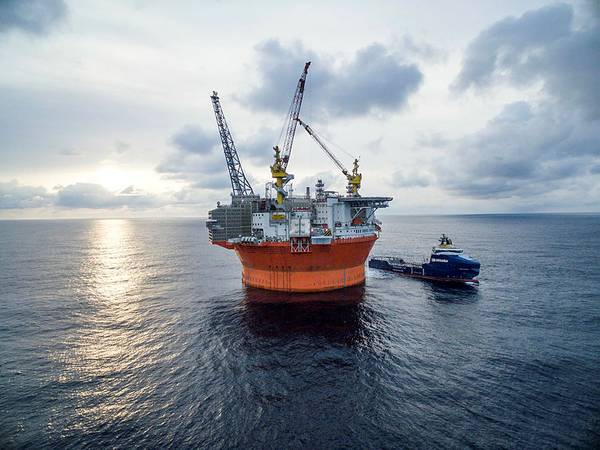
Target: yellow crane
{"x": 282, "y": 156}
{"x": 354, "y": 178}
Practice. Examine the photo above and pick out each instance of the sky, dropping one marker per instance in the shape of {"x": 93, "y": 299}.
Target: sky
{"x": 452, "y": 107}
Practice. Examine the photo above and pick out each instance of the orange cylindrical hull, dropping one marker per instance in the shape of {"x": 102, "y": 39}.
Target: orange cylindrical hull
{"x": 273, "y": 266}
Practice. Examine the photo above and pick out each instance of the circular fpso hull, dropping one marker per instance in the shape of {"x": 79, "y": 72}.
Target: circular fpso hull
{"x": 273, "y": 266}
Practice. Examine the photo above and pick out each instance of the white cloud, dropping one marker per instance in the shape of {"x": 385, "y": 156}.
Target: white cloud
{"x": 376, "y": 78}
{"x": 16, "y": 196}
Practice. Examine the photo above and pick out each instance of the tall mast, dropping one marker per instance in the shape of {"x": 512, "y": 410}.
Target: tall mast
{"x": 239, "y": 182}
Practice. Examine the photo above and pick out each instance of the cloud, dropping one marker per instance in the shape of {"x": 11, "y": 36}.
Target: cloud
{"x": 90, "y": 195}
{"x": 16, "y": 196}
{"x": 541, "y": 148}
{"x": 121, "y": 147}
{"x": 31, "y": 16}
{"x": 195, "y": 158}
{"x": 419, "y": 49}
{"x": 541, "y": 45}
{"x": 213, "y": 181}
{"x": 193, "y": 139}
{"x": 411, "y": 179}
{"x": 258, "y": 148}
{"x": 198, "y": 159}
{"x": 523, "y": 151}
{"x": 375, "y": 79}
{"x": 69, "y": 152}
{"x": 191, "y": 167}
{"x": 76, "y": 196}
{"x": 432, "y": 139}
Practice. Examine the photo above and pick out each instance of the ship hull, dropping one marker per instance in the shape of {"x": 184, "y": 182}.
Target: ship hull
{"x": 273, "y": 266}
{"x": 455, "y": 274}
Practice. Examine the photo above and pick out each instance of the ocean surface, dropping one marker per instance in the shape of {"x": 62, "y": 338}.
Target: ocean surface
{"x": 138, "y": 333}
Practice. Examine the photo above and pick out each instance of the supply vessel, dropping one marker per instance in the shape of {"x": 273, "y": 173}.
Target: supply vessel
{"x": 447, "y": 264}
{"x": 294, "y": 243}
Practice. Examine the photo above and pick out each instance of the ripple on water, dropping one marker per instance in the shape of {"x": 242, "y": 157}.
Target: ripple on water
{"x": 125, "y": 333}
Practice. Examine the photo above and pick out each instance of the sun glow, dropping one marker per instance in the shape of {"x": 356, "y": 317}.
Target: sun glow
{"x": 113, "y": 178}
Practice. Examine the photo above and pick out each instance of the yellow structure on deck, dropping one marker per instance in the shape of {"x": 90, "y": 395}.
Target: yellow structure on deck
{"x": 279, "y": 174}
{"x": 354, "y": 178}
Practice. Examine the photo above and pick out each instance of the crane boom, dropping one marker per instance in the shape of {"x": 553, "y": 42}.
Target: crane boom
{"x": 354, "y": 178}
{"x": 282, "y": 156}
{"x": 239, "y": 182}
{"x": 316, "y": 137}
{"x": 293, "y": 114}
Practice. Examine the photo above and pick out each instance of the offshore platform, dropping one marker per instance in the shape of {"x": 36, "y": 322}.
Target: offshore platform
{"x": 294, "y": 243}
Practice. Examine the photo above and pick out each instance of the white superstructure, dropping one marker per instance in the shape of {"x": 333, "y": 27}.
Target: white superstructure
{"x": 327, "y": 216}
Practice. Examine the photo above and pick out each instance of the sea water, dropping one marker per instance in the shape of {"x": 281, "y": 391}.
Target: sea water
{"x": 138, "y": 333}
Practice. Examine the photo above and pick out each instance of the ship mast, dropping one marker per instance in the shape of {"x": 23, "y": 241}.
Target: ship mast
{"x": 282, "y": 156}
{"x": 240, "y": 185}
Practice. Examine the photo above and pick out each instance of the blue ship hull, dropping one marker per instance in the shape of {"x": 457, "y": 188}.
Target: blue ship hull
{"x": 448, "y": 269}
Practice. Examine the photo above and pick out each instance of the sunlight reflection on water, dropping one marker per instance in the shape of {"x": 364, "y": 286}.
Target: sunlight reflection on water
{"x": 109, "y": 341}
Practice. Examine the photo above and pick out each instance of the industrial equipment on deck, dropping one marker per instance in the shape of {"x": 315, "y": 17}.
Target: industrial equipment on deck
{"x": 294, "y": 243}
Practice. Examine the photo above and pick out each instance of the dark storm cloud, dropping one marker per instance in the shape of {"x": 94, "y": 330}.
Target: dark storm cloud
{"x": 16, "y": 196}
{"x": 523, "y": 151}
{"x": 541, "y": 45}
{"x": 31, "y": 16}
{"x": 376, "y": 79}
{"x": 90, "y": 195}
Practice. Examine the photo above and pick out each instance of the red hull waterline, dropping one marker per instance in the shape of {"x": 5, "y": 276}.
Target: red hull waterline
{"x": 273, "y": 265}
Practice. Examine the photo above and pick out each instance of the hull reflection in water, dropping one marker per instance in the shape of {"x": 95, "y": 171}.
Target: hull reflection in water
{"x": 352, "y": 294}
{"x": 339, "y": 316}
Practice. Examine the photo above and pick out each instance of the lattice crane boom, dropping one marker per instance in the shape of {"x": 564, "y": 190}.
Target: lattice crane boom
{"x": 282, "y": 155}
{"x": 354, "y": 178}
{"x": 316, "y": 137}
{"x": 239, "y": 182}
{"x": 293, "y": 115}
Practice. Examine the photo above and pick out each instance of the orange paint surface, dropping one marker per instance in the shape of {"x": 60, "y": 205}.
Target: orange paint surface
{"x": 272, "y": 265}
